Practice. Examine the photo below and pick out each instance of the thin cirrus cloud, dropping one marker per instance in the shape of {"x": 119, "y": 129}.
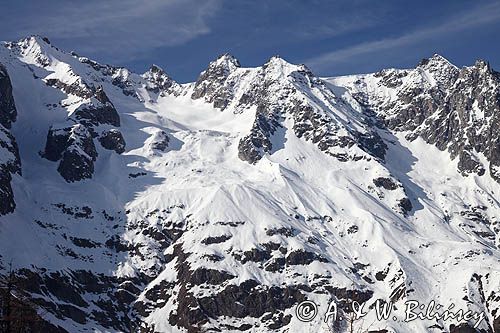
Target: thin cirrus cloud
{"x": 337, "y": 28}
{"x": 131, "y": 27}
{"x": 479, "y": 16}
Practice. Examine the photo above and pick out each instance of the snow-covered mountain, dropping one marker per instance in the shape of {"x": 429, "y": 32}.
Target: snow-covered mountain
{"x": 132, "y": 203}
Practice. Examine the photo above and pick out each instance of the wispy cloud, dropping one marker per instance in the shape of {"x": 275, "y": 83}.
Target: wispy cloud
{"x": 337, "y": 28}
{"x": 338, "y": 18}
{"x": 129, "y": 26}
{"x": 479, "y": 16}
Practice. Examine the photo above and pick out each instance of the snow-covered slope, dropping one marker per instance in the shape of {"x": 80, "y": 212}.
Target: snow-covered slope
{"x": 455, "y": 109}
{"x": 135, "y": 203}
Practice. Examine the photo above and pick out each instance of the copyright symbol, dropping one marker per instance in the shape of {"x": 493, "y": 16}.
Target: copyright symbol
{"x": 306, "y": 311}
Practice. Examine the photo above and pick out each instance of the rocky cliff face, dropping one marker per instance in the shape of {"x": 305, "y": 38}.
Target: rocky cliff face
{"x": 72, "y": 142}
{"x": 454, "y": 109}
{"x": 9, "y": 155}
{"x": 7, "y": 106}
{"x": 280, "y": 91}
{"x": 219, "y": 205}
{"x": 160, "y": 82}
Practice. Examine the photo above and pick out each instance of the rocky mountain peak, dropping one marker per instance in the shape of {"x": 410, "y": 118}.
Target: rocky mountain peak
{"x": 278, "y": 67}
{"x": 435, "y": 59}
{"x": 454, "y": 109}
{"x": 155, "y": 69}
{"x": 160, "y": 81}
{"x": 226, "y": 60}
{"x": 40, "y": 41}
{"x": 220, "y": 68}
{"x": 483, "y": 65}
{"x": 211, "y": 83}
{"x": 441, "y": 71}
{"x": 155, "y": 72}
{"x": 480, "y": 75}
{"x": 34, "y": 49}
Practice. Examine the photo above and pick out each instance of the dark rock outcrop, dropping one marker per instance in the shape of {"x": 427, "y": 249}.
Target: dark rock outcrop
{"x": 10, "y": 162}
{"x": 302, "y": 257}
{"x": 279, "y": 90}
{"x": 112, "y": 296}
{"x": 10, "y": 165}
{"x": 386, "y": 183}
{"x": 254, "y": 255}
{"x": 373, "y": 144}
{"x": 159, "y": 81}
{"x": 405, "y": 205}
{"x": 7, "y": 203}
{"x": 75, "y": 166}
{"x": 249, "y": 299}
{"x": 212, "y": 83}
{"x": 216, "y": 239}
{"x": 74, "y": 147}
{"x": 78, "y": 88}
{"x": 8, "y": 112}
{"x": 113, "y": 140}
{"x": 252, "y": 147}
{"x": 99, "y": 111}
{"x": 160, "y": 141}
{"x": 457, "y": 110}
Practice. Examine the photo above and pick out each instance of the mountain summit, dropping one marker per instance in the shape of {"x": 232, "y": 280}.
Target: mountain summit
{"x": 133, "y": 203}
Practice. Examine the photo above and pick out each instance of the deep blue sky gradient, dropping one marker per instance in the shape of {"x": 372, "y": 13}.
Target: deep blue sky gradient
{"x": 332, "y": 37}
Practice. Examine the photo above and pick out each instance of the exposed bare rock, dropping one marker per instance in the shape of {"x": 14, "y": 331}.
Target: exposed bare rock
{"x": 213, "y": 84}
{"x": 10, "y": 162}
{"x": 74, "y": 148}
{"x": 160, "y": 141}
{"x": 113, "y": 140}
{"x": 159, "y": 81}
{"x": 8, "y": 112}
{"x": 457, "y": 110}
{"x": 386, "y": 183}
{"x": 78, "y": 87}
{"x": 99, "y": 111}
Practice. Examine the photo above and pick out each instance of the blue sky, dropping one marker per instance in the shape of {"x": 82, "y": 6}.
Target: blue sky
{"x": 332, "y": 37}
